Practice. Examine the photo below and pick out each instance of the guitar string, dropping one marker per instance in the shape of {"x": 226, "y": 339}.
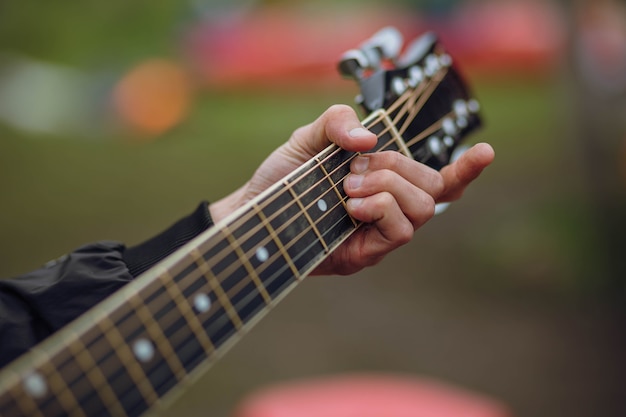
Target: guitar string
{"x": 343, "y": 164}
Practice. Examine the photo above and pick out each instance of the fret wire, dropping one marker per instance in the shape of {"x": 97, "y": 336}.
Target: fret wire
{"x": 183, "y": 306}
{"x": 126, "y": 356}
{"x": 334, "y": 187}
{"x": 217, "y": 288}
{"x": 279, "y": 243}
{"x": 160, "y": 341}
{"x": 246, "y": 263}
{"x": 59, "y": 387}
{"x": 95, "y": 376}
{"x": 307, "y": 216}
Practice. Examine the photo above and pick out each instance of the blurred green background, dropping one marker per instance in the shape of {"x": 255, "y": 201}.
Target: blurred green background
{"x": 516, "y": 292}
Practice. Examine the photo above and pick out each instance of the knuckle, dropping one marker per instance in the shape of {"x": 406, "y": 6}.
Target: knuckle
{"x": 405, "y": 233}
{"x": 338, "y": 109}
{"x": 429, "y": 207}
{"x": 438, "y": 185}
{"x": 384, "y": 178}
{"x": 385, "y": 200}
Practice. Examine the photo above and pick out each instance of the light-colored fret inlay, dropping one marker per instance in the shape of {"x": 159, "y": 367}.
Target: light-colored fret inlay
{"x": 126, "y": 356}
{"x": 57, "y": 385}
{"x": 187, "y": 311}
{"x": 309, "y": 219}
{"x": 334, "y": 187}
{"x": 217, "y": 289}
{"x": 246, "y": 263}
{"x": 279, "y": 243}
{"x": 158, "y": 338}
{"x": 25, "y": 400}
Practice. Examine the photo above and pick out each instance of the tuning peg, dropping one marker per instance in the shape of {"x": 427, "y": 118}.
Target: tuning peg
{"x": 418, "y": 50}
{"x": 352, "y": 64}
{"x": 387, "y": 41}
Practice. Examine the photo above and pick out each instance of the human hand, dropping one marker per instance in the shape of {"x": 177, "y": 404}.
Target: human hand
{"x": 392, "y": 194}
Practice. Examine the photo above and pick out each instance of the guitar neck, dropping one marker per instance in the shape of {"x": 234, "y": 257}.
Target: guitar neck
{"x": 127, "y": 354}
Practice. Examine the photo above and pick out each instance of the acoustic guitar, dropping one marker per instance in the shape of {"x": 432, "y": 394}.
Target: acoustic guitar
{"x": 139, "y": 348}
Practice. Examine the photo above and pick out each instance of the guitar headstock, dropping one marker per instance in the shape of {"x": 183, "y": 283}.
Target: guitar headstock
{"x": 420, "y": 90}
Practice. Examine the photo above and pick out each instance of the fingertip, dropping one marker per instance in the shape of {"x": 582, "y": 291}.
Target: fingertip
{"x": 360, "y": 139}
{"x": 485, "y": 152}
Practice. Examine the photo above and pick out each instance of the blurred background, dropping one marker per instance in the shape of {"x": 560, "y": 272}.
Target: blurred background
{"x": 118, "y": 117}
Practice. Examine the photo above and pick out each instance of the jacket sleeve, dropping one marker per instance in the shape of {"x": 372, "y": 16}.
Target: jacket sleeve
{"x": 35, "y": 305}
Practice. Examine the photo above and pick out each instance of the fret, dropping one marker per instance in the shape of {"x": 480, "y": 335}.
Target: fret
{"x": 129, "y": 363}
{"x": 114, "y": 370}
{"x": 310, "y": 191}
{"x": 325, "y": 206}
{"x": 218, "y": 290}
{"x": 158, "y": 338}
{"x": 109, "y": 400}
{"x": 184, "y": 305}
{"x": 60, "y": 390}
{"x": 246, "y": 263}
{"x": 336, "y": 167}
{"x": 17, "y": 401}
{"x": 290, "y": 225}
{"x": 279, "y": 274}
{"x": 144, "y": 350}
{"x": 285, "y": 218}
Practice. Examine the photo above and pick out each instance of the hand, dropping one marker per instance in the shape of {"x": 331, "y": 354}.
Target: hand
{"x": 394, "y": 195}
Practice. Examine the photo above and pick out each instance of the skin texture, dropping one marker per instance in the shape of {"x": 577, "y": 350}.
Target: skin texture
{"x": 394, "y": 195}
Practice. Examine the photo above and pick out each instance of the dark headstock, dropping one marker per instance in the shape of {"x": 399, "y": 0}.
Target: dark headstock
{"x": 421, "y": 91}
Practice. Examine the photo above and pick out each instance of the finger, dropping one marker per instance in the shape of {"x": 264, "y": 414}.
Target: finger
{"x": 462, "y": 172}
{"x": 416, "y": 173}
{"x": 391, "y": 227}
{"x": 339, "y": 124}
{"x": 415, "y": 204}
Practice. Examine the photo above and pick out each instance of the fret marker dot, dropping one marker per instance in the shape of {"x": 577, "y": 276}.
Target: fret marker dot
{"x": 35, "y": 385}
{"x": 202, "y": 303}
{"x": 262, "y": 254}
{"x": 143, "y": 350}
{"x": 321, "y": 204}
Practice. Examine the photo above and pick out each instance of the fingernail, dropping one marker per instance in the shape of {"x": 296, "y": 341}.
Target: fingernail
{"x": 355, "y": 202}
{"x": 354, "y": 181}
{"x": 359, "y": 133}
{"x": 360, "y": 164}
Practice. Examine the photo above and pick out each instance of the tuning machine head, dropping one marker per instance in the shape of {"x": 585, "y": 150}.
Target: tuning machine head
{"x": 384, "y": 45}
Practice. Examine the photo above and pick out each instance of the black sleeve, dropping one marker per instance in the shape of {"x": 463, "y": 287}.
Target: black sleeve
{"x": 38, "y": 303}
